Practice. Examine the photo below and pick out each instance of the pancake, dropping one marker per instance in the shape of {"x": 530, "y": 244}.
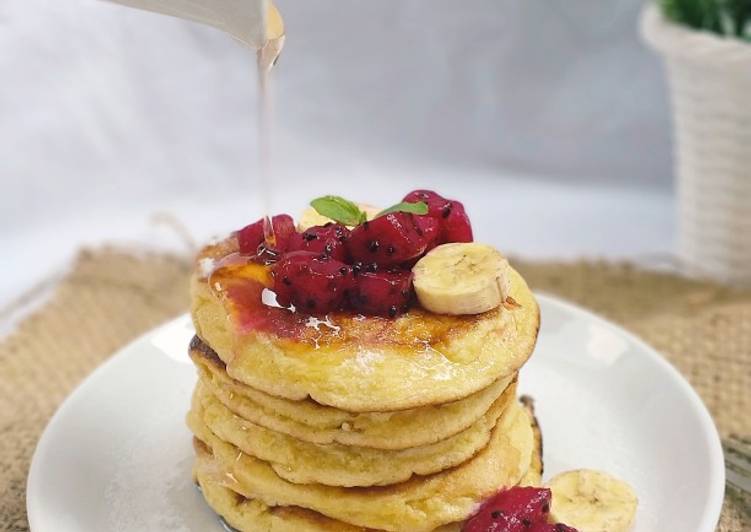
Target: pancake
{"x": 420, "y": 504}
{"x": 309, "y": 421}
{"x": 367, "y": 364}
{"x": 339, "y": 465}
{"x": 249, "y": 515}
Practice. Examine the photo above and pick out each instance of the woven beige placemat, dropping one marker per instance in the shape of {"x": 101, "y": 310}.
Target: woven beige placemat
{"x": 111, "y": 297}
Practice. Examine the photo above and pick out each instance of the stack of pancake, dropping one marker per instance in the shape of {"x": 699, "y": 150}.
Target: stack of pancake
{"x": 360, "y": 423}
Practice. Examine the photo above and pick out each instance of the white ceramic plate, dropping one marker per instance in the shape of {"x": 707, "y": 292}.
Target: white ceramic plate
{"x": 117, "y": 454}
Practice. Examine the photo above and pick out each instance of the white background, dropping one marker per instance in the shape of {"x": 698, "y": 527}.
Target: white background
{"x": 547, "y": 118}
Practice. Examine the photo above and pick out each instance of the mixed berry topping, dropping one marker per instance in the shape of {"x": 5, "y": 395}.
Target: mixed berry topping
{"x": 329, "y": 240}
{"x": 312, "y": 282}
{"x": 453, "y": 222}
{"x": 252, "y": 236}
{"x": 519, "y": 509}
{"x": 389, "y": 240}
{"x": 351, "y": 263}
{"x": 382, "y": 293}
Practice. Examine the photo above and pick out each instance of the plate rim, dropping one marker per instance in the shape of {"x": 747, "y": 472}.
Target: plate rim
{"x": 716, "y": 484}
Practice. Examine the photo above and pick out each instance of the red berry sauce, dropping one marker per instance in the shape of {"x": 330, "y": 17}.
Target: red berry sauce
{"x": 330, "y": 268}
{"x": 518, "y": 509}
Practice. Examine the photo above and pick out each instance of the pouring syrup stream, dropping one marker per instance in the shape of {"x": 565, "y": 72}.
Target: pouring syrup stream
{"x": 266, "y": 58}
{"x": 242, "y": 280}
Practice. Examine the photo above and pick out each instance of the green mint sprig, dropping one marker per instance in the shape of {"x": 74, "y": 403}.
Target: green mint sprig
{"x": 348, "y": 213}
{"x": 339, "y": 209}
{"x": 419, "y": 207}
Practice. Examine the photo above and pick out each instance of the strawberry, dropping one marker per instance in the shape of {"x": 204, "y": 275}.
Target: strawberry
{"x": 329, "y": 240}
{"x": 313, "y": 283}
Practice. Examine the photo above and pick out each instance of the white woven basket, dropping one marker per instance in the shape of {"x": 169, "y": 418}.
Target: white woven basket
{"x": 710, "y": 89}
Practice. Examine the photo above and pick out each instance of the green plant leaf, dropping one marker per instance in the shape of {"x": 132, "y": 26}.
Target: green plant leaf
{"x": 339, "y": 209}
{"x": 723, "y": 17}
{"x": 419, "y": 207}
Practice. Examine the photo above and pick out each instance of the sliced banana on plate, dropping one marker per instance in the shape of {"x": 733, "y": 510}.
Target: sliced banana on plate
{"x": 461, "y": 278}
{"x": 592, "y": 501}
{"x": 311, "y": 218}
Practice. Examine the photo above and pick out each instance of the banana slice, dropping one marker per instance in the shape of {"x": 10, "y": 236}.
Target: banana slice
{"x": 461, "y": 278}
{"x": 592, "y": 501}
{"x": 311, "y": 218}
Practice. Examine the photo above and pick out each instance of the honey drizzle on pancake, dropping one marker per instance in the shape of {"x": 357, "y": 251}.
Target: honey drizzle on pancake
{"x": 239, "y": 281}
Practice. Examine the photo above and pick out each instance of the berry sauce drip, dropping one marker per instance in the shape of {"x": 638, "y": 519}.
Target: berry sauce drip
{"x": 240, "y": 281}
{"x": 314, "y": 283}
{"x": 519, "y": 509}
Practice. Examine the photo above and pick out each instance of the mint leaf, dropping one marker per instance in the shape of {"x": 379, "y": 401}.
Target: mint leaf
{"x": 419, "y": 207}
{"x": 338, "y": 209}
